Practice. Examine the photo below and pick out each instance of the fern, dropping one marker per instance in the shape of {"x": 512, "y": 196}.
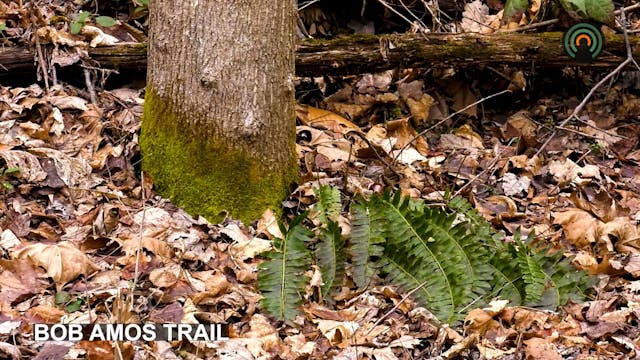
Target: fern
{"x": 280, "y": 277}
{"x": 549, "y": 279}
{"x": 423, "y": 248}
{"x": 328, "y": 206}
{"x": 365, "y": 245}
{"x": 407, "y": 259}
{"x": 508, "y": 283}
{"x": 331, "y": 256}
{"x": 478, "y": 226}
{"x": 535, "y": 279}
{"x": 453, "y": 258}
{"x": 569, "y": 282}
{"x": 457, "y": 266}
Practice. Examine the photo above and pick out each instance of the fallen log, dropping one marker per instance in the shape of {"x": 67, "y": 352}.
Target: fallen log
{"x": 359, "y": 54}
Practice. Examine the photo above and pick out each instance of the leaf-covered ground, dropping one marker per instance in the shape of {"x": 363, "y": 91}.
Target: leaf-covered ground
{"x": 80, "y": 226}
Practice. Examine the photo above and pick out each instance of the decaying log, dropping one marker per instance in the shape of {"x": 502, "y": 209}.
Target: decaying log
{"x": 360, "y": 54}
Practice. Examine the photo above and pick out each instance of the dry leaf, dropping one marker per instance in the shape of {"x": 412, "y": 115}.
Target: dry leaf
{"x": 66, "y": 102}
{"x": 98, "y": 37}
{"x": 30, "y": 169}
{"x": 62, "y": 261}
{"x": 476, "y": 18}
{"x": 248, "y": 249}
{"x": 580, "y": 228}
{"x": 514, "y": 185}
{"x": 420, "y": 109}
{"x": 167, "y": 276}
{"x": 336, "y": 331}
{"x": 541, "y": 349}
{"x": 324, "y": 119}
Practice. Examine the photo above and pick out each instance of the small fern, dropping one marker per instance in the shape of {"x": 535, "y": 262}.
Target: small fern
{"x": 535, "y": 279}
{"x": 328, "y": 206}
{"x": 549, "y": 279}
{"x": 453, "y": 258}
{"x": 280, "y": 277}
{"x": 331, "y": 256}
{"x": 424, "y": 248}
{"x": 365, "y": 243}
{"x": 331, "y": 253}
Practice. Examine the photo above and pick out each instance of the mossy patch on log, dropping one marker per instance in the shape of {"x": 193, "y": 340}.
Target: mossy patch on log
{"x": 204, "y": 175}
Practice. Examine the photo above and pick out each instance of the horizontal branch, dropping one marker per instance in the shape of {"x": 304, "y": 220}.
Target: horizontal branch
{"x": 372, "y": 53}
{"x": 359, "y": 54}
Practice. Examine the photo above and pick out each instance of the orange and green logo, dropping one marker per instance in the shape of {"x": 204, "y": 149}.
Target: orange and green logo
{"x": 583, "y": 42}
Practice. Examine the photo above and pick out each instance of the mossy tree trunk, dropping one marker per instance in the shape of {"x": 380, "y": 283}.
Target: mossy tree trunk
{"x": 218, "y": 130}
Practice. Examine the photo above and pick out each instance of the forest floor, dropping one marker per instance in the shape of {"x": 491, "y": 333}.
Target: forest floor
{"x": 80, "y": 226}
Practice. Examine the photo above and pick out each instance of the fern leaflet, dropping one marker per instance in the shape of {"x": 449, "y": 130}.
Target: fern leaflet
{"x": 331, "y": 256}
{"x": 365, "y": 244}
{"x": 280, "y": 278}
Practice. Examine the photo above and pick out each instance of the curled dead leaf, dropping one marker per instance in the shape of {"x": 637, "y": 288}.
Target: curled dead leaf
{"x": 324, "y": 119}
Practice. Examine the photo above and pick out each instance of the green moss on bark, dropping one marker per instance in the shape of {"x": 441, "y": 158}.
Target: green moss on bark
{"x": 208, "y": 176}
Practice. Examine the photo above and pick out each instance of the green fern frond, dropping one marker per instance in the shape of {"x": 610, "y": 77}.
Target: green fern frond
{"x": 536, "y": 281}
{"x": 365, "y": 244}
{"x": 505, "y": 287}
{"x": 465, "y": 265}
{"x": 280, "y": 277}
{"x": 406, "y": 260}
{"x": 562, "y": 281}
{"x": 478, "y": 225}
{"x": 570, "y": 282}
{"x": 331, "y": 255}
{"x": 424, "y": 247}
{"x": 328, "y": 206}
{"x": 538, "y": 276}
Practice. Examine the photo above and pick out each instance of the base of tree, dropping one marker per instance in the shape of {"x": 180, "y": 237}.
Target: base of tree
{"x": 204, "y": 176}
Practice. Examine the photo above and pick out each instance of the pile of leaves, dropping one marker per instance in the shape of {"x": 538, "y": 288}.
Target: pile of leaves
{"x": 84, "y": 238}
{"x": 80, "y": 225}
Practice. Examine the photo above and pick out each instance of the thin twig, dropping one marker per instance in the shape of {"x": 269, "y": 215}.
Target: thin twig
{"x": 502, "y": 75}
{"x": 627, "y": 9}
{"x": 532, "y": 26}
{"x": 363, "y": 137}
{"x": 307, "y": 4}
{"x": 43, "y": 65}
{"x": 422, "y": 24}
{"x": 479, "y": 23}
{"x": 578, "y": 108}
{"x": 445, "y": 119}
{"x": 139, "y": 245}
{"x": 384, "y": 3}
{"x": 587, "y": 124}
{"x": 578, "y": 132}
{"x": 110, "y": 71}
{"x": 491, "y": 165}
{"x": 54, "y": 74}
{"x": 434, "y": 17}
{"x": 90, "y": 88}
{"x": 388, "y": 313}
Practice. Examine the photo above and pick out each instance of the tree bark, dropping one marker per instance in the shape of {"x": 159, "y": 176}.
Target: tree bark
{"x": 361, "y": 54}
{"x": 218, "y": 129}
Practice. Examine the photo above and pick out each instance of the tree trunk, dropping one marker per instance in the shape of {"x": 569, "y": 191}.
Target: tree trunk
{"x": 218, "y": 129}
